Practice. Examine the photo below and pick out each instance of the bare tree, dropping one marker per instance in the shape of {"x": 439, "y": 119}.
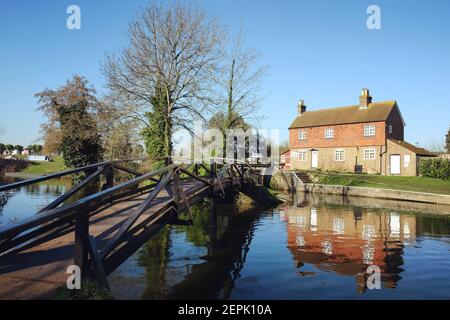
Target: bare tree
{"x": 177, "y": 48}
{"x": 240, "y": 84}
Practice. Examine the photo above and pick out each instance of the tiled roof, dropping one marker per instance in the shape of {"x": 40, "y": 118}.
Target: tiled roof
{"x": 377, "y": 111}
{"x": 418, "y": 151}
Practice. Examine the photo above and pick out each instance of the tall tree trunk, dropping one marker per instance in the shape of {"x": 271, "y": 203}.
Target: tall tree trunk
{"x": 168, "y": 138}
{"x": 229, "y": 115}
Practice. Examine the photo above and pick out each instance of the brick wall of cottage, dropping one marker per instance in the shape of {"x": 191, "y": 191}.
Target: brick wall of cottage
{"x": 345, "y": 135}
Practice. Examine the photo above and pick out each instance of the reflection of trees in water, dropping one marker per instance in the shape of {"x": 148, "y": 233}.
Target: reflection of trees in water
{"x": 4, "y": 197}
{"x": 433, "y": 225}
{"x": 154, "y": 257}
{"x": 155, "y": 254}
{"x": 52, "y": 187}
{"x": 227, "y": 250}
{"x": 198, "y": 233}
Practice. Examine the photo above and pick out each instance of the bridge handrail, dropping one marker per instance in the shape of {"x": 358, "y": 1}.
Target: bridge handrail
{"x": 46, "y": 216}
{"x": 52, "y": 176}
{"x": 51, "y": 214}
{"x": 68, "y": 172}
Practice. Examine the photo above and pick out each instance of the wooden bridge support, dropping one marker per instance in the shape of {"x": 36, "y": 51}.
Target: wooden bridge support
{"x": 213, "y": 213}
{"x": 176, "y": 194}
{"x": 212, "y": 177}
{"x": 81, "y": 241}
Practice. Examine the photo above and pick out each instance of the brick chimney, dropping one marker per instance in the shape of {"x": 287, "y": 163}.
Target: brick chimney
{"x": 301, "y": 108}
{"x": 365, "y": 99}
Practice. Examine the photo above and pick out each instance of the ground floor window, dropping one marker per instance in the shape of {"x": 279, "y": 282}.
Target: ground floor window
{"x": 369, "y": 154}
{"x": 339, "y": 155}
{"x": 302, "y": 155}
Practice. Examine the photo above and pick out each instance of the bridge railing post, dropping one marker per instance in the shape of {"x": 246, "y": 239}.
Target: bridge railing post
{"x": 176, "y": 190}
{"x": 212, "y": 176}
{"x": 81, "y": 240}
{"x": 110, "y": 177}
{"x": 196, "y": 169}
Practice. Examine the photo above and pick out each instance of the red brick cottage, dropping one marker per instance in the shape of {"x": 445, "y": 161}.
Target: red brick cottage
{"x": 368, "y": 137}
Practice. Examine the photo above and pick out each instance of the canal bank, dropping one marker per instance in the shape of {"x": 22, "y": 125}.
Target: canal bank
{"x": 388, "y": 194}
{"x": 288, "y": 181}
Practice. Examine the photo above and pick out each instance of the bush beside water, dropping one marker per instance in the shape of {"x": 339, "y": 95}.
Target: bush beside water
{"x": 435, "y": 168}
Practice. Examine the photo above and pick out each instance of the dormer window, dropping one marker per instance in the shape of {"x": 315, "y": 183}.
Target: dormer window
{"x": 369, "y": 130}
{"x": 301, "y": 135}
{"x": 329, "y": 133}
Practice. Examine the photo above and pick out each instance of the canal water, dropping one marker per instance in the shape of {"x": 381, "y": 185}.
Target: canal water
{"x": 320, "y": 247}
{"x": 23, "y": 202}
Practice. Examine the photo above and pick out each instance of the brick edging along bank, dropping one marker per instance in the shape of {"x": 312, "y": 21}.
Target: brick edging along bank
{"x": 389, "y": 194}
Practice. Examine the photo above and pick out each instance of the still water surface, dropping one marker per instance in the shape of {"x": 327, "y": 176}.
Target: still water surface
{"x": 319, "y": 248}
{"x": 23, "y": 202}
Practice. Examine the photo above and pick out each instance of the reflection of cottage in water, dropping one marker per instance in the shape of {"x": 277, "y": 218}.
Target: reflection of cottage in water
{"x": 347, "y": 240}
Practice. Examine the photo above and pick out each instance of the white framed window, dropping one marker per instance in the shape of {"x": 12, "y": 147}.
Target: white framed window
{"x": 370, "y": 154}
{"x": 407, "y": 160}
{"x": 339, "y": 155}
{"x": 390, "y": 128}
{"x": 369, "y": 130}
{"x": 283, "y": 158}
{"x": 329, "y": 133}
{"x": 302, "y": 155}
{"x": 302, "y": 135}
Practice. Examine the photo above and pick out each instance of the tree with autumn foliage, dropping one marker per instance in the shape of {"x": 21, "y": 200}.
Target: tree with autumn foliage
{"x": 71, "y": 110}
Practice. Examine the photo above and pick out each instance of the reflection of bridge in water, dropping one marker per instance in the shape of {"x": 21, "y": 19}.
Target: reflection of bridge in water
{"x": 226, "y": 257}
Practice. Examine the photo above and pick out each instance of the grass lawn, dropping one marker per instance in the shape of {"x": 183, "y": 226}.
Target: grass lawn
{"x": 45, "y": 168}
{"x": 418, "y": 184}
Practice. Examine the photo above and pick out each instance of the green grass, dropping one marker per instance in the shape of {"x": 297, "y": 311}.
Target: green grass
{"x": 90, "y": 290}
{"x": 45, "y": 167}
{"x": 418, "y": 184}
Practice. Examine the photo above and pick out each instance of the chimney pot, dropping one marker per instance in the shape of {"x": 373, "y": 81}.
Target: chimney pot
{"x": 301, "y": 107}
{"x": 365, "y": 99}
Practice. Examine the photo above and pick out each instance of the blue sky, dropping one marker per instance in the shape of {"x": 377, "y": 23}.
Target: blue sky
{"x": 320, "y": 51}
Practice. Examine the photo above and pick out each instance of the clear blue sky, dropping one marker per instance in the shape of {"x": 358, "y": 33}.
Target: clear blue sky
{"x": 320, "y": 51}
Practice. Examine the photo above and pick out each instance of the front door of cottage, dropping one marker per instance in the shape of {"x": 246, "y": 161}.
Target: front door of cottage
{"x": 395, "y": 160}
{"x": 314, "y": 159}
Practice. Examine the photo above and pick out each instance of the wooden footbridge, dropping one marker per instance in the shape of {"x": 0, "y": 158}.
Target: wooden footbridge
{"x": 99, "y": 231}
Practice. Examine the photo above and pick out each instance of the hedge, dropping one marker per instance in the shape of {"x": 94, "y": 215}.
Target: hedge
{"x": 435, "y": 168}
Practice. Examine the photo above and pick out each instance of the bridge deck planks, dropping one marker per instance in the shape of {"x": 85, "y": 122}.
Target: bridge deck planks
{"x": 35, "y": 273}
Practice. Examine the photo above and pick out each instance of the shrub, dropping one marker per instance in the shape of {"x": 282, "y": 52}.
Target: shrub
{"x": 435, "y": 168}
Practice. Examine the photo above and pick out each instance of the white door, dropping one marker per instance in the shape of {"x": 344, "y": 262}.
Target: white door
{"x": 395, "y": 164}
{"x": 314, "y": 159}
